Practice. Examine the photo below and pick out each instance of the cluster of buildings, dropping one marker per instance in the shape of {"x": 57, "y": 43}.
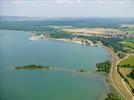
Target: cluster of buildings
{"x": 119, "y": 35}
{"x": 35, "y": 36}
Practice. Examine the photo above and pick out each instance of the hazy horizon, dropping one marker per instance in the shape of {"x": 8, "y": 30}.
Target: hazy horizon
{"x": 68, "y": 8}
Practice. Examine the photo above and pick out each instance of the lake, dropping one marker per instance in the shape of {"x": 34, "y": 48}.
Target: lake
{"x": 17, "y": 49}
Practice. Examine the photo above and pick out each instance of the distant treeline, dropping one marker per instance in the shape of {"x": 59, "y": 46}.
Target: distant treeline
{"x": 38, "y": 25}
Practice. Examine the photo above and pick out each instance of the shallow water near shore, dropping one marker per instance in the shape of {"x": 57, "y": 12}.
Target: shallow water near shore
{"x": 17, "y": 49}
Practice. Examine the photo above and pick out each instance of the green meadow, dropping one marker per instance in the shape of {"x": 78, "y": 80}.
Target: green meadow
{"x": 127, "y": 28}
{"x": 128, "y": 44}
{"x": 129, "y": 60}
{"x": 130, "y": 40}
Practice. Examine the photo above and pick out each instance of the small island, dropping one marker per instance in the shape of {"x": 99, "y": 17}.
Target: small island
{"x": 32, "y": 67}
{"x": 82, "y": 70}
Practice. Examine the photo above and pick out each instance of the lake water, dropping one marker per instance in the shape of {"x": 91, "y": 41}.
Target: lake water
{"x": 17, "y": 49}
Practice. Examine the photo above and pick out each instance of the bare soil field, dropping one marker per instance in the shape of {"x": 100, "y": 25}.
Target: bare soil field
{"x": 97, "y": 31}
{"x": 125, "y": 72}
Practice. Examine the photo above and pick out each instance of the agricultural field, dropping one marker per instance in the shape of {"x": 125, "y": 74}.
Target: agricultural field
{"x": 129, "y": 28}
{"x": 126, "y": 67}
{"x": 130, "y": 40}
{"x": 129, "y": 60}
{"x": 97, "y": 31}
{"x": 125, "y": 72}
{"x": 128, "y": 44}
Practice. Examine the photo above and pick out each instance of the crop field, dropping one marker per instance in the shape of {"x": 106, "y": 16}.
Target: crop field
{"x": 130, "y": 40}
{"x": 129, "y": 60}
{"x": 128, "y": 44}
{"x": 96, "y": 31}
{"x": 125, "y": 72}
{"x": 129, "y": 28}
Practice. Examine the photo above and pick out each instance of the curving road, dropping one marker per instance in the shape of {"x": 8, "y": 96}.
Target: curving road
{"x": 116, "y": 81}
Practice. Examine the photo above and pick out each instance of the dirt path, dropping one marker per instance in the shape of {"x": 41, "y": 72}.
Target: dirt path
{"x": 125, "y": 57}
{"x": 116, "y": 81}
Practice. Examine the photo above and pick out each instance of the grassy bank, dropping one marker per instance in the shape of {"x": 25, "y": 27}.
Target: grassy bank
{"x": 113, "y": 95}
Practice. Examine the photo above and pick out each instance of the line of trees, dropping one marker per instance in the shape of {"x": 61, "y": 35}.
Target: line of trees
{"x": 131, "y": 74}
{"x": 125, "y": 65}
{"x": 109, "y": 42}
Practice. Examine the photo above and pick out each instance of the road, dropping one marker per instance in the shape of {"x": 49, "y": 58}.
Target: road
{"x": 116, "y": 81}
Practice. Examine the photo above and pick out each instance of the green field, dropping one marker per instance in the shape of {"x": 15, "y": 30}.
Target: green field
{"x": 130, "y": 40}
{"x": 129, "y": 60}
{"x": 127, "y": 29}
{"x": 128, "y": 44}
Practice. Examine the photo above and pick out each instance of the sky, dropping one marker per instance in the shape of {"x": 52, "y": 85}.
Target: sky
{"x": 67, "y": 8}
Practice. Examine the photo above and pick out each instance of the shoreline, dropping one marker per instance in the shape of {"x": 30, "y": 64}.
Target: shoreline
{"x": 114, "y": 77}
{"x": 78, "y": 41}
{"x": 74, "y": 40}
